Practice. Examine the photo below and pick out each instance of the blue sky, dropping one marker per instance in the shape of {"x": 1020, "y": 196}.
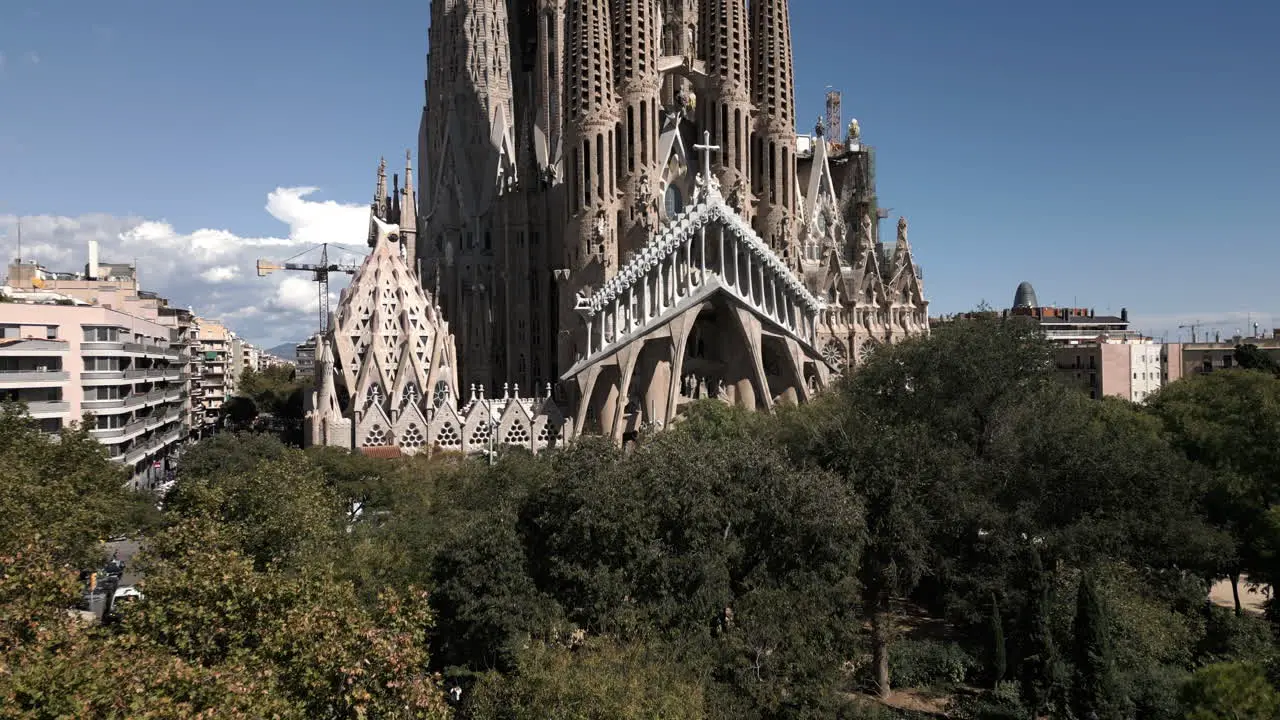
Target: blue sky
{"x": 1114, "y": 154}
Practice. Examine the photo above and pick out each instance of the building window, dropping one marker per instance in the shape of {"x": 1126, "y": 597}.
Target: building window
{"x": 101, "y": 334}
{"x": 51, "y": 332}
{"x": 674, "y": 203}
{"x": 10, "y": 331}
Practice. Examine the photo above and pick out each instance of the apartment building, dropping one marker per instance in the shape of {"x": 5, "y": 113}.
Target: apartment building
{"x": 246, "y": 357}
{"x": 1128, "y": 368}
{"x": 213, "y": 363}
{"x": 120, "y": 373}
{"x": 110, "y": 285}
{"x": 267, "y": 360}
{"x": 1185, "y": 359}
{"x": 305, "y": 358}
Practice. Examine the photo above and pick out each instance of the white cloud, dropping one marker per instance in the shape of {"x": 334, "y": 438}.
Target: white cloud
{"x": 33, "y": 57}
{"x": 211, "y": 270}
{"x": 220, "y": 274}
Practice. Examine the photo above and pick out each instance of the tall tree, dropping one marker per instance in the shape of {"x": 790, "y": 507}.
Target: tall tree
{"x": 1250, "y": 357}
{"x": 1095, "y": 690}
{"x": 1040, "y": 671}
{"x": 1228, "y": 424}
{"x": 998, "y": 662}
{"x": 61, "y": 492}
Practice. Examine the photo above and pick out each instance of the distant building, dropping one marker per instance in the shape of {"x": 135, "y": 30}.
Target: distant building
{"x": 213, "y": 360}
{"x": 1100, "y": 354}
{"x": 1128, "y": 368}
{"x": 1186, "y": 359}
{"x": 305, "y": 359}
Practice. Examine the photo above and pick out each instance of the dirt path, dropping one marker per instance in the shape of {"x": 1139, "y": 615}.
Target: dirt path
{"x": 1252, "y": 597}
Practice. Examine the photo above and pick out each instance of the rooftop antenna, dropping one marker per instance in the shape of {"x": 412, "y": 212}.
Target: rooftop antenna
{"x": 19, "y": 241}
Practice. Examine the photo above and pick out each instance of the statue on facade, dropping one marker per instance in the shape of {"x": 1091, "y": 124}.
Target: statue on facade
{"x": 600, "y": 228}
{"x": 645, "y": 205}
{"x": 738, "y": 197}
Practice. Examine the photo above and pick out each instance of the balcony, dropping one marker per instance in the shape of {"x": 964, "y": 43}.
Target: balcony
{"x": 33, "y": 378}
{"x": 28, "y": 347}
{"x": 106, "y": 404}
{"x": 94, "y": 376}
{"x": 117, "y": 433}
{"x": 96, "y": 347}
{"x": 41, "y": 408}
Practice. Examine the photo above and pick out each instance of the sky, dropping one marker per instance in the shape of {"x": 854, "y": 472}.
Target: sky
{"x": 1113, "y": 154}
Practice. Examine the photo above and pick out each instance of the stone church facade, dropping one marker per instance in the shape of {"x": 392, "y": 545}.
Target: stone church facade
{"x": 613, "y": 202}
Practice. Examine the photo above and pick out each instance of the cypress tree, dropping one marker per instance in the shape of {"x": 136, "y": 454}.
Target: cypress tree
{"x": 1040, "y": 672}
{"x": 1094, "y": 690}
{"x": 998, "y": 659}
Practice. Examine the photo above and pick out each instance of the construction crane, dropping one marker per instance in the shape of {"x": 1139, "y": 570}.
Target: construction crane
{"x": 320, "y": 272}
{"x": 1211, "y": 324}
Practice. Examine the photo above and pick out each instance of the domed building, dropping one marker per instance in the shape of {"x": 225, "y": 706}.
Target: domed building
{"x": 1024, "y": 298}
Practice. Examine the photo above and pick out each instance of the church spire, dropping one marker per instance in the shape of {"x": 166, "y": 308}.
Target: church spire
{"x": 637, "y": 36}
{"x": 409, "y": 215}
{"x": 727, "y": 110}
{"x": 772, "y": 89}
{"x": 378, "y": 208}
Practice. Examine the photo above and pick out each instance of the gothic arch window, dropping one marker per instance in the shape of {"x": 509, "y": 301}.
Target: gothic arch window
{"x": 672, "y": 201}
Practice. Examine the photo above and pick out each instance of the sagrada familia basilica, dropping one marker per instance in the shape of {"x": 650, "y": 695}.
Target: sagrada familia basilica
{"x": 615, "y": 217}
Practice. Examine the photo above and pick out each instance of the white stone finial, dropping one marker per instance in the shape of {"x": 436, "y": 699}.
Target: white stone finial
{"x": 515, "y": 391}
{"x": 473, "y": 392}
{"x": 506, "y": 391}
{"x": 481, "y": 392}
{"x": 548, "y": 390}
{"x": 707, "y": 148}
{"x": 385, "y": 231}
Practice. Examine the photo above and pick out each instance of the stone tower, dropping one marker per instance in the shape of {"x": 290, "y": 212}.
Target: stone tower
{"x": 775, "y": 126}
{"x": 726, "y": 108}
{"x": 614, "y": 201}
{"x": 467, "y": 154}
{"x": 636, "y": 41}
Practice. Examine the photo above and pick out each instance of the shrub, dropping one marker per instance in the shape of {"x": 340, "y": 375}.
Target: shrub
{"x": 1230, "y": 691}
{"x": 1230, "y": 638}
{"x": 925, "y": 663}
{"x": 1002, "y": 703}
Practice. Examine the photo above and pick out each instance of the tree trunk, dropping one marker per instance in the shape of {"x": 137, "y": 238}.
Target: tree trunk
{"x": 880, "y": 646}
{"x": 1235, "y": 592}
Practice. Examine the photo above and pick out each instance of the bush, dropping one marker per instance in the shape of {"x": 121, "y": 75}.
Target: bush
{"x": 927, "y": 663}
{"x": 1230, "y": 638}
{"x": 598, "y": 679}
{"x": 1230, "y": 691}
{"x": 1002, "y": 703}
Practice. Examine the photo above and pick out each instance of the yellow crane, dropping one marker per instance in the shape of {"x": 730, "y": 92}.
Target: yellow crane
{"x": 320, "y": 273}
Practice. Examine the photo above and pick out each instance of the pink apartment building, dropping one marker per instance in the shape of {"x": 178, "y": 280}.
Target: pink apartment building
{"x": 125, "y": 372}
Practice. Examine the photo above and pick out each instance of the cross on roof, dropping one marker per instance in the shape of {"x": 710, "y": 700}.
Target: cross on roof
{"x": 707, "y": 148}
